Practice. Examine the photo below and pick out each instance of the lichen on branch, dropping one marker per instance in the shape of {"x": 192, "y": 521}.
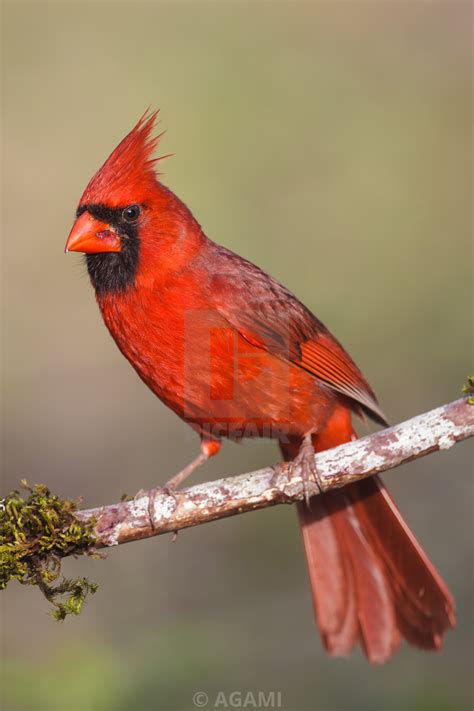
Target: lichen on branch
{"x": 36, "y": 531}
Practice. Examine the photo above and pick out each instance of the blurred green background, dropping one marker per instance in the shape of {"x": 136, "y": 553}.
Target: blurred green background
{"x": 330, "y": 143}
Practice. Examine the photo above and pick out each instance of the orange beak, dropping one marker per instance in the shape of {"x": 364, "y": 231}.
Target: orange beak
{"x": 91, "y": 236}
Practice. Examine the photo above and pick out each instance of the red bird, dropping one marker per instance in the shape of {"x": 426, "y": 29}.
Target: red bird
{"x": 235, "y": 354}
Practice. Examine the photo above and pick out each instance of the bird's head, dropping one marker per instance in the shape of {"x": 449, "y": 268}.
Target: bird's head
{"x": 128, "y": 224}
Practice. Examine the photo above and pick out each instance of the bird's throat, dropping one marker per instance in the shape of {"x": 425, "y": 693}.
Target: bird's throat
{"x": 114, "y": 272}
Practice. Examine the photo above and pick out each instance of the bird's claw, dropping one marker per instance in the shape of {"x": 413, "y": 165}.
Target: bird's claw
{"x": 152, "y": 494}
{"x": 304, "y": 466}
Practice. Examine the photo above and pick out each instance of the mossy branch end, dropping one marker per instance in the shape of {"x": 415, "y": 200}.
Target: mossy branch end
{"x": 468, "y": 389}
{"x": 36, "y": 531}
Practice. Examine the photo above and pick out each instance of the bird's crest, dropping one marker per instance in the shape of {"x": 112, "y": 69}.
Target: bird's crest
{"x": 129, "y": 173}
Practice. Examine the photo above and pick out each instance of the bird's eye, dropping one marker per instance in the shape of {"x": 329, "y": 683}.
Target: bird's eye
{"x": 131, "y": 213}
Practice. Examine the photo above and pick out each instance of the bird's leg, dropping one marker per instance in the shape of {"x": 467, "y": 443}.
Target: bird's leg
{"x": 209, "y": 447}
{"x": 305, "y": 463}
{"x": 178, "y": 478}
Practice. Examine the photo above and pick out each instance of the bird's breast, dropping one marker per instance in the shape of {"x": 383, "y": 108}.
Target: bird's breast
{"x": 205, "y": 371}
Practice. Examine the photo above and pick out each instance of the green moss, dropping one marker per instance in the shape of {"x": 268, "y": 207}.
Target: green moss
{"x": 36, "y": 532}
{"x": 468, "y": 388}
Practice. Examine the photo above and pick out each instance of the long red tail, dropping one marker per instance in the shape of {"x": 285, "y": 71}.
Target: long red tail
{"x": 370, "y": 580}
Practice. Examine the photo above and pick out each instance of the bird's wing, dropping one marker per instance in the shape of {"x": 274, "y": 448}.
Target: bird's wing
{"x": 269, "y": 316}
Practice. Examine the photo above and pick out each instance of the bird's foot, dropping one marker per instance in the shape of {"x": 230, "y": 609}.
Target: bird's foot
{"x": 208, "y": 449}
{"x": 304, "y": 466}
{"x": 152, "y": 494}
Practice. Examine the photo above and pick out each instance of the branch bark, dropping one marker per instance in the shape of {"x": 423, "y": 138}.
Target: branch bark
{"x": 144, "y": 517}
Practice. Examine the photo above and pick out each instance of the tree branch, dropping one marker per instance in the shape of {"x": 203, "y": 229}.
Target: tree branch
{"x": 143, "y": 517}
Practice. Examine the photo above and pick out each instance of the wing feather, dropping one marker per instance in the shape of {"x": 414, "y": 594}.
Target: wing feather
{"x": 270, "y": 317}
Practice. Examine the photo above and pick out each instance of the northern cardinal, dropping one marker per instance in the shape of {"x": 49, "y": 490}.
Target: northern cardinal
{"x": 235, "y": 354}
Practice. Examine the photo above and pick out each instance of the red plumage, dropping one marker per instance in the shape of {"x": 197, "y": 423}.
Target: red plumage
{"x": 128, "y": 174}
{"x": 235, "y": 354}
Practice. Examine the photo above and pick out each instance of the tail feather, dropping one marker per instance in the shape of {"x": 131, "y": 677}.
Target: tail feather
{"x": 333, "y": 586}
{"x": 424, "y": 605}
{"x": 358, "y": 606}
{"x": 371, "y": 582}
